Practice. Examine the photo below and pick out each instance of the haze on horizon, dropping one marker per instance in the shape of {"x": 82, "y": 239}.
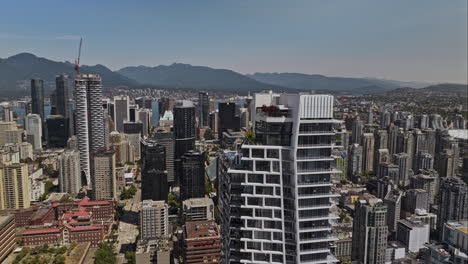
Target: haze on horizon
{"x": 419, "y": 40}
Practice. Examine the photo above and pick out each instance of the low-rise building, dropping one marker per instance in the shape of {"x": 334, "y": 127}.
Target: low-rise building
{"x": 154, "y": 220}
{"x": 198, "y": 209}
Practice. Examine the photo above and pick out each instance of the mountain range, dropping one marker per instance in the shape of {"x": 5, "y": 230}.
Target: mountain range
{"x": 24, "y": 66}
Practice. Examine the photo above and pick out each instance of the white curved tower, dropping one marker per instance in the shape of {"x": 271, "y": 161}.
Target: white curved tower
{"x": 89, "y": 118}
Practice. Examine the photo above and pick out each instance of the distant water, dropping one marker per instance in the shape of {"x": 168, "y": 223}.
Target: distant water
{"x": 21, "y": 112}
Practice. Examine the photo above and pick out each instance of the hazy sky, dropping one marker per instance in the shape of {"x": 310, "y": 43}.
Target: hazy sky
{"x": 423, "y": 40}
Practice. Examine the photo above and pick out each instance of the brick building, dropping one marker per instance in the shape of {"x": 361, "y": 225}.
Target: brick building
{"x": 202, "y": 243}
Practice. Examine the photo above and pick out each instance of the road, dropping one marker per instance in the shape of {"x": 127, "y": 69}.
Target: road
{"x": 128, "y": 227}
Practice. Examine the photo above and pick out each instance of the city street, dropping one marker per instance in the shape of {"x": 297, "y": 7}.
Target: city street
{"x": 128, "y": 227}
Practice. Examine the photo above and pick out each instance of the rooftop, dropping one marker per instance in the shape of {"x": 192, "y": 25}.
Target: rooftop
{"x": 201, "y": 229}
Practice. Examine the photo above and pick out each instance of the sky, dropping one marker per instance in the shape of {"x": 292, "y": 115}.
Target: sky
{"x": 417, "y": 40}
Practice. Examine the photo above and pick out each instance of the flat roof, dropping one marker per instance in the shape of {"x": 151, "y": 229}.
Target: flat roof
{"x": 201, "y": 229}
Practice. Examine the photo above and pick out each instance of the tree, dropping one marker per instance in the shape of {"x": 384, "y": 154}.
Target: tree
{"x": 60, "y": 259}
{"x": 130, "y": 257}
{"x": 250, "y": 137}
{"x": 105, "y": 254}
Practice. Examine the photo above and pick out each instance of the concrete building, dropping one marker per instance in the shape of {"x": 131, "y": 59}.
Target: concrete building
{"x": 402, "y": 161}
{"x": 355, "y": 160}
{"x": 198, "y": 209}
{"x": 393, "y": 202}
{"x": 413, "y": 234}
{"x": 14, "y": 186}
{"x": 367, "y": 142}
{"x": 121, "y": 111}
{"x": 291, "y": 152}
{"x": 7, "y": 235}
{"x": 70, "y": 172}
{"x": 9, "y": 133}
{"x": 89, "y": 119}
{"x": 369, "y": 231}
{"x": 416, "y": 200}
{"x": 33, "y": 125}
{"x": 103, "y": 180}
{"x": 202, "y": 242}
{"x": 453, "y": 202}
{"x": 428, "y": 182}
{"x": 357, "y": 131}
{"x": 154, "y": 220}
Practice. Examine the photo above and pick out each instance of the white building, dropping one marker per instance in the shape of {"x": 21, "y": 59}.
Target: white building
{"x": 276, "y": 192}
{"x": 33, "y": 125}
{"x": 154, "y": 220}
{"x": 70, "y": 172}
{"x": 198, "y": 209}
{"x": 413, "y": 234}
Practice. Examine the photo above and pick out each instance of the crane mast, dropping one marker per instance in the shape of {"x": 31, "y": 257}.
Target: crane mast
{"x": 77, "y": 61}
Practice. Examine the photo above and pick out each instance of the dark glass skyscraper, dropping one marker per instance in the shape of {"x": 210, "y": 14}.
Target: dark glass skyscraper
{"x": 184, "y": 128}
{"x": 203, "y": 108}
{"x": 228, "y": 118}
{"x": 64, "y": 99}
{"x": 37, "y": 97}
{"x": 153, "y": 176}
{"x": 167, "y": 140}
{"x": 57, "y": 131}
{"x": 192, "y": 183}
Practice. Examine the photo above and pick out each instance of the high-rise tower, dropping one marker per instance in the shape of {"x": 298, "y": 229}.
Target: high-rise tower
{"x": 275, "y": 193}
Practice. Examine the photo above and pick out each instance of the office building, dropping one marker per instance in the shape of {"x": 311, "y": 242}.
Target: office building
{"x": 37, "y": 97}
{"x": 184, "y": 127}
{"x": 393, "y": 201}
{"x": 144, "y": 102}
{"x": 167, "y": 140}
{"x": 202, "y": 242}
{"x": 198, "y": 209}
{"x": 14, "y": 186}
{"x": 144, "y": 116}
{"x": 228, "y": 119}
{"x": 154, "y": 220}
{"x": 57, "y": 131}
{"x": 355, "y": 160}
{"x": 9, "y": 133}
{"x": 357, "y": 131}
{"x": 133, "y": 127}
{"x": 153, "y": 171}
{"x": 89, "y": 119}
{"x": 369, "y": 231}
{"x": 385, "y": 117}
{"x": 64, "y": 99}
{"x": 203, "y": 109}
{"x": 428, "y": 181}
{"x": 70, "y": 172}
{"x": 124, "y": 151}
{"x": 402, "y": 161}
{"x": 447, "y": 163}
{"x": 7, "y": 115}
{"x": 121, "y": 111}
{"x": 453, "y": 202}
{"x": 192, "y": 180}
{"x": 260, "y": 223}
{"x": 367, "y": 140}
{"x": 424, "y": 161}
{"x": 103, "y": 178}
{"x": 33, "y": 125}
{"x": 416, "y": 200}
{"x": 413, "y": 234}
{"x": 165, "y": 104}
{"x": 7, "y": 235}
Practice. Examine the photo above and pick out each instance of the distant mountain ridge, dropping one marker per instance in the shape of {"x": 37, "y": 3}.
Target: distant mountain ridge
{"x": 24, "y": 66}
{"x": 448, "y": 89}
{"x": 179, "y": 75}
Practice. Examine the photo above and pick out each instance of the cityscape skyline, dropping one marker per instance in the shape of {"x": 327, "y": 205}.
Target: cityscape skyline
{"x": 412, "y": 41}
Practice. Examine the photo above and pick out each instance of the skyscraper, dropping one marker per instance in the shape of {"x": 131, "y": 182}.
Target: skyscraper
{"x": 453, "y": 202}
{"x": 203, "y": 108}
{"x": 121, "y": 112}
{"x": 144, "y": 116}
{"x": 393, "y": 202}
{"x": 153, "y": 166}
{"x": 357, "y": 130}
{"x": 228, "y": 118}
{"x": 369, "y": 231}
{"x": 165, "y": 104}
{"x": 368, "y": 151}
{"x": 103, "y": 176}
{"x": 57, "y": 131}
{"x": 402, "y": 161}
{"x": 37, "y": 97}
{"x": 274, "y": 194}
{"x": 166, "y": 139}
{"x": 184, "y": 127}
{"x": 70, "y": 172}
{"x": 354, "y": 160}
{"x": 192, "y": 182}
{"x": 14, "y": 186}
{"x": 89, "y": 118}
{"x": 64, "y": 99}
{"x": 33, "y": 125}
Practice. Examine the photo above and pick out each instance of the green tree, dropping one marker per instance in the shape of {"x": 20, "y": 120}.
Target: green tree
{"x": 130, "y": 257}
{"x": 60, "y": 259}
{"x": 250, "y": 137}
{"x": 105, "y": 254}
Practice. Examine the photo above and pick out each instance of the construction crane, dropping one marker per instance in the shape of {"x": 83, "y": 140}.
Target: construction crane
{"x": 77, "y": 61}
